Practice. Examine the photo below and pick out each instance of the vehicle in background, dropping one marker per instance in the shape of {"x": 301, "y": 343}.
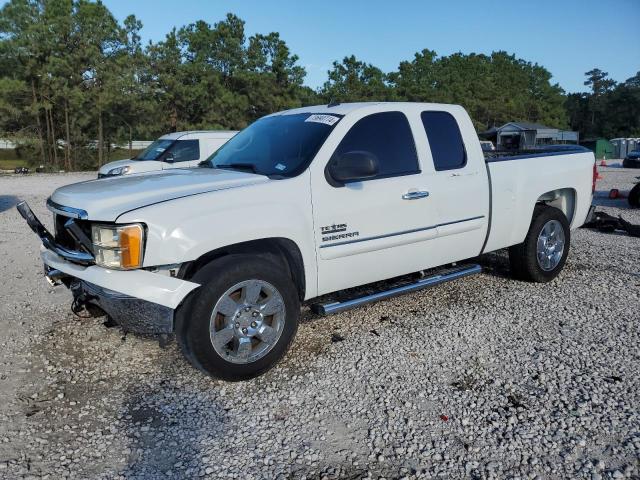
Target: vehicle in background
{"x": 632, "y": 160}
{"x": 487, "y": 146}
{"x": 174, "y": 150}
{"x": 634, "y": 195}
{"x": 304, "y": 204}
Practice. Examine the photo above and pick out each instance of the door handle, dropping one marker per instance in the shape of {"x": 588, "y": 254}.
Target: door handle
{"x": 415, "y": 195}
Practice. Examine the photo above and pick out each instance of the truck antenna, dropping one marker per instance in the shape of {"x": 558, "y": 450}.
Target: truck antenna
{"x": 333, "y": 103}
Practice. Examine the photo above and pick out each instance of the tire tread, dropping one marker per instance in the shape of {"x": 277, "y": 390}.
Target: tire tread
{"x": 522, "y": 257}
{"x": 190, "y": 340}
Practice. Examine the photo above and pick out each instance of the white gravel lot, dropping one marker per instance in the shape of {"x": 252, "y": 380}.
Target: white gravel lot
{"x": 481, "y": 378}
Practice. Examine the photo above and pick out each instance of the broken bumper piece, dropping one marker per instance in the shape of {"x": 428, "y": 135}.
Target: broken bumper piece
{"x": 150, "y": 301}
{"x": 132, "y": 314}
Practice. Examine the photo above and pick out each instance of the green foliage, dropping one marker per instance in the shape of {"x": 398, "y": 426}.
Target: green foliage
{"x": 356, "y": 81}
{"x": 74, "y": 80}
{"x": 610, "y": 110}
{"x": 494, "y": 89}
{"x": 71, "y": 74}
{"x": 122, "y": 154}
{"x": 11, "y": 163}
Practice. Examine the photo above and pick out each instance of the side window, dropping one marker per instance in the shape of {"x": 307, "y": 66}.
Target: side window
{"x": 386, "y": 135}
{"x": 185, "y": 150}
{"x": 445, "y": 140}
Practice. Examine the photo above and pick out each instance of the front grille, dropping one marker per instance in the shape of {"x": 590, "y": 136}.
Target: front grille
{"x": 62, "y": 235}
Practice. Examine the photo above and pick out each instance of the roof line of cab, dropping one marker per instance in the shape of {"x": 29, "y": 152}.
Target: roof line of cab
{"x": 345, "y": 108}
{"x": 179, "y": 135}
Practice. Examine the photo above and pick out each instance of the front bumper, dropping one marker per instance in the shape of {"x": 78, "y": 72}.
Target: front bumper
{"x": 143, "y": 284}
{"x": 132, "y": 314}
{"x": 139, "y": 300}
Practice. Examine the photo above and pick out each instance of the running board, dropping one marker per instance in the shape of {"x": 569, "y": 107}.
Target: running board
{"x": 447, "y": 276}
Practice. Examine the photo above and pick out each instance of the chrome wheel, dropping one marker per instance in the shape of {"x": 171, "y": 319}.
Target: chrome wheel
{"x": 247, "y": 321}
{"x": 550, "y": 246}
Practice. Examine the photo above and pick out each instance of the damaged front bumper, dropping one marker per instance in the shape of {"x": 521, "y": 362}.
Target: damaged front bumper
{"x": 140, "y": 300}
{"x": 132, "y": 314}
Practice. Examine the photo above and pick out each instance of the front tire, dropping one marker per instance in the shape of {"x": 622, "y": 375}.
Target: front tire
{"x": 542, "y": 255}
{"x": 241, "y": 320}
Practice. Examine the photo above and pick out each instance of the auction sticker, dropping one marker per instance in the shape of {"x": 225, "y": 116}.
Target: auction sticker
{"x": 320, "y": 118}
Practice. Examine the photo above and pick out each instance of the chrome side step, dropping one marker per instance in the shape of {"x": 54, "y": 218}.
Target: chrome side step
{"x": 447, "y": 276}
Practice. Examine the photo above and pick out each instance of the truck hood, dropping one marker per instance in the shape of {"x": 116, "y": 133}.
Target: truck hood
{"x": 108, "y": 198}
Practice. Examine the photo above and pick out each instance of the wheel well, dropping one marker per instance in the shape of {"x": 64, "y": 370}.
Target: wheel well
{"x": 280, "y": 250}
{"x": 563, "y": 199}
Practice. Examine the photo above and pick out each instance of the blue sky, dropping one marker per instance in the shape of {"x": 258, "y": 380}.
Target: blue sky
{"x": 568, "y": 37}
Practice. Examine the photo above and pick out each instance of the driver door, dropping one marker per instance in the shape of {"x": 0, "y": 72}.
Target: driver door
{"x": 379, "y": 227}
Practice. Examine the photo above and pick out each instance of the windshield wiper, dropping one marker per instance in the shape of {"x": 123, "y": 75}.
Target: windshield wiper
{"x": 239, "y": 166}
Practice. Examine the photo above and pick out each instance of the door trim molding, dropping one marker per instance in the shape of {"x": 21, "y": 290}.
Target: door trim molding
{"x": 395, "y": 234}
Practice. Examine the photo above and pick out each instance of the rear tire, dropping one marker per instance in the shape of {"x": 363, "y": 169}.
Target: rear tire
{"x": 241, "y": 320}
{"x": 542, "y": 255}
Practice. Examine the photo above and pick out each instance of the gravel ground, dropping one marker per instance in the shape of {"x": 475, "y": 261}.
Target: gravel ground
{"x": 485, "y": 377}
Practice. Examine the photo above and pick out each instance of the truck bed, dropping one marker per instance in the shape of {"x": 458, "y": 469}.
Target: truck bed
{"x": 558, "y": 175}
{"x": 546, "y": 151}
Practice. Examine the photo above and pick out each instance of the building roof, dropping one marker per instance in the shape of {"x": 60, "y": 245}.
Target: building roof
{"x": 527, "y": 126}
{"x": 511, "y": 126}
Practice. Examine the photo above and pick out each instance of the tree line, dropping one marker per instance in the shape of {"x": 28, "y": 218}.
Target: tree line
{"x": 74, "y": 80}
{"x": 608, "y": 110}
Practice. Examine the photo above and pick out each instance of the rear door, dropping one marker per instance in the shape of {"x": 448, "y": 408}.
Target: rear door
{"x": 460, "y": 190}
{"x": 381, "y": 227}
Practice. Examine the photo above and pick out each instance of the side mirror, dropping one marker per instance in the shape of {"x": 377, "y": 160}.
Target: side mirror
{"x": 351, "y": 167}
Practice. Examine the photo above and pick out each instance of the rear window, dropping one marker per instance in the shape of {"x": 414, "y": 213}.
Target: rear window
{"x": 445, "y": 140}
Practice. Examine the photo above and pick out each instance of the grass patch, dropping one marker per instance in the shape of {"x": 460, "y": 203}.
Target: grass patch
{"x": 87, "y": 159}
{"x": 120, "y": 154}
{"x": 10, "y": 164}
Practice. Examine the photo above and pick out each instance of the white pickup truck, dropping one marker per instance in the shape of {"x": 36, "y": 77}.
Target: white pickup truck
{"x": 300, "y": 204}
{"x": 173, "y": 150}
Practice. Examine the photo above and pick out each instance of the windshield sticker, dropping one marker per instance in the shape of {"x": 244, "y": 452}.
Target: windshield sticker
{"x": 280, "y": 167}
{"x": 326, "y": 119}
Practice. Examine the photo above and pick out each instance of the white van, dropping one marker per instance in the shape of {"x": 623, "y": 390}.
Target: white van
{"x": 174, "y": 150}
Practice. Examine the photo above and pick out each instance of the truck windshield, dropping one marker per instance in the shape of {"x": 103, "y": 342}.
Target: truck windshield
{"x": 277, "y": 146}
{"x": 155, "y": 150}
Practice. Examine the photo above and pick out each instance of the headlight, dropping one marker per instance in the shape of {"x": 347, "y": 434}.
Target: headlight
{"x": 118, "y": 246}
{"x": 119, "y": 170}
